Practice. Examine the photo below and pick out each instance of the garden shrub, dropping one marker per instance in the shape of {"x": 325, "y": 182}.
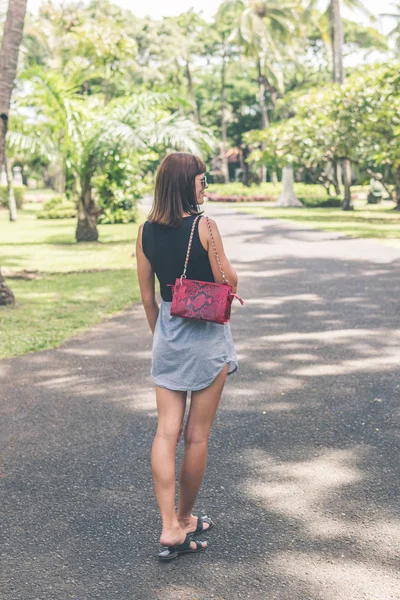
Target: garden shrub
{"x": 18, "y": 193}
{"x": 311, "y": 195}
{"x": 58, "y": 207}
{"x": 119, "y": 187}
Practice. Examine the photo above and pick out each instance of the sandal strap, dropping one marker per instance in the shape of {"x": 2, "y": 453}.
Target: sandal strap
{"x": 185, "y": 545}
{"x": 203, "y": 520}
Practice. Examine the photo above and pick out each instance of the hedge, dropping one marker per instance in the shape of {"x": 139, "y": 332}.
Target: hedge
{"x": 18, "y": 193}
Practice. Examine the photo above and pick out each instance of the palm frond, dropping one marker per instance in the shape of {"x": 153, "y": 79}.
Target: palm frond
{"x": 139, "y": 103}
{"x": 34, "y": 144}
{"x": 123, "y": 129}
{"x": 359, "y": 5}
{"x": 180, "y": 133}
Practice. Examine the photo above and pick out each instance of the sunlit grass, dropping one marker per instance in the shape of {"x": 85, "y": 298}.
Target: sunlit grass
{"x": 29, "y": 229}
{"x": 78, "y": 285}
{"x": 49, "y": 244}
{"x": 48, "y": 311}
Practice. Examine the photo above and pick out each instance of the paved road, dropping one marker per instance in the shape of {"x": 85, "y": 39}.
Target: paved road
{"x": 303, "y": 473}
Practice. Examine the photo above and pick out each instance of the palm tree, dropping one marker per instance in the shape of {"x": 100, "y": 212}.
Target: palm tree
{"x": 134, "y": 125}
{"x": 225, "y": 18}
{"x": 9, "y": 51}
{"x": 266, "y": 31}
{"x": 82, "y": 134}
{"x": 191, "y": 28}
{"x": 337, "y": 40}
{"x": 336, "y": 33}
{"x": 395, "y": 32}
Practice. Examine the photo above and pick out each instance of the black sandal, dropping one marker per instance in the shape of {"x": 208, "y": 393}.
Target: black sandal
{"x": 173, "y": 551}
{"x": 199, "y": 528}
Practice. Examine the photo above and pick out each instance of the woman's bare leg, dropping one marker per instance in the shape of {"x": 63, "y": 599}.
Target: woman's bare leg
{"x": 171, "y": 410}
{"x": 203, "y": 407}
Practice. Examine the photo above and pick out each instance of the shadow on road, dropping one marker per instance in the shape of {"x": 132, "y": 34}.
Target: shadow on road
{"x": 303, "y": 470}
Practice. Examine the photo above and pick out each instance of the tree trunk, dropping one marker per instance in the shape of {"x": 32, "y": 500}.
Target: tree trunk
{"x": 337, "y": 41}
{"x": 9, "y": 51}
{"x": 261, "y": 96}
{"x": 224, "y": 146}
{"x": 397, "y": 188}
{"x": 337, "y": 177}
{"x": 288, "y": 196}
{"x": 263, "y": 110}
{"x": 347, "y": 205}
{"x": 243, "y": 164}
{"x": 336, "y": 30}
{"x": 177, "y": 82}
{"x": 86, "y": 229}
{"x": 6, "y": 295}
{"x": 60, "y": 178}
{"x": 192, "y": 95}
{"x": 12, "y": 207}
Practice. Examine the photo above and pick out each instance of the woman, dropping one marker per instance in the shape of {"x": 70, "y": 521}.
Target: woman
{"x": 187, "y": 355}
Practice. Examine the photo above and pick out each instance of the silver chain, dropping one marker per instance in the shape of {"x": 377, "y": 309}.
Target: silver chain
{"x": 189, "y": 247}
{"x": 213, "y": 245}
{"x": 215, "y": 251}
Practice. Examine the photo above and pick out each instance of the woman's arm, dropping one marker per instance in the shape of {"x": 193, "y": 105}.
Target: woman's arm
{"x": 229, "y": 271}
{"x": 146, "y": 282}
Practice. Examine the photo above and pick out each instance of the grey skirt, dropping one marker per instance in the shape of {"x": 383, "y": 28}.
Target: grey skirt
{"x": 187, "y": 354}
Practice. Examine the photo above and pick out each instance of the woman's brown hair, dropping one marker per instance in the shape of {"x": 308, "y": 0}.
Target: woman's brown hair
{"x": 175, "y": 188}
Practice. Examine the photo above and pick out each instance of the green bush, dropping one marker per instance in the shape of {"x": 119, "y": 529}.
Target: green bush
{"x": 119, "y": 187}
{"x": 18, "y": 193}
{"x": 238, "y": 189}
{"x": 58, "y": 207}
{"x": 318, "y": 202}
{"x": 113, "y": 215}
{"x": 310, "y": 194}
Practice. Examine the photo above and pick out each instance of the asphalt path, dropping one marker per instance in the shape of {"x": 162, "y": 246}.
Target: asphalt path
{"x": 303, "y": 472}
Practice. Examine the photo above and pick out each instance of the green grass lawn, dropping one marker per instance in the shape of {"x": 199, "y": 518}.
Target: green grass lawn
{"x": 366, "y": 220}
{"x": 78, "y": 285}
{"x": 64, "y": 299}
{"x": 50, "y": 310}
{"x": 49, "y": 244}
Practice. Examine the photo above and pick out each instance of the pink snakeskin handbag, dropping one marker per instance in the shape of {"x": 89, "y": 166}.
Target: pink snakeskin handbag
{"x": 204, "y": 300}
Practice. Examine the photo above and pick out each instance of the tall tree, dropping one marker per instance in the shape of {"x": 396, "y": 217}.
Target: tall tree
{"x": 92, "y": 129}
{"x": 9, "y": 51}
{"x": 395, "y": 32}
{"x": 221, "y": 47}
{"x": 192, "y": 28}
{"x": 338, "y": 74}
{"x": 337, "y": 41}
{"x": 336, "y": 29}
{"x": 266, "y": 31}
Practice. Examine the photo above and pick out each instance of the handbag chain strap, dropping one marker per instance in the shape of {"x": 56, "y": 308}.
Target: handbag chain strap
{"x": 183, "y": 276}
{"x": 215, "y": 251}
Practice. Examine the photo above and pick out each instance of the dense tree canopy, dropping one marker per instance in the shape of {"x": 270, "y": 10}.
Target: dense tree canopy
{"x": 101, "y": 95}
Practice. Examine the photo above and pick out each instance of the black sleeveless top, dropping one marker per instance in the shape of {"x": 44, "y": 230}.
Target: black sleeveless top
{"x": 166, "y": 247}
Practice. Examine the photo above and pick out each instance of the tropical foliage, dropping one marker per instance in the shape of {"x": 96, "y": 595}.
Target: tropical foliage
{"x": 102, "y": 95}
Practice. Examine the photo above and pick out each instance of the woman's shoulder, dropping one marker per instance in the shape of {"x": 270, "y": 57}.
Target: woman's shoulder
{"x": 204, "y": 230}
{"x": 206, "y": 222}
